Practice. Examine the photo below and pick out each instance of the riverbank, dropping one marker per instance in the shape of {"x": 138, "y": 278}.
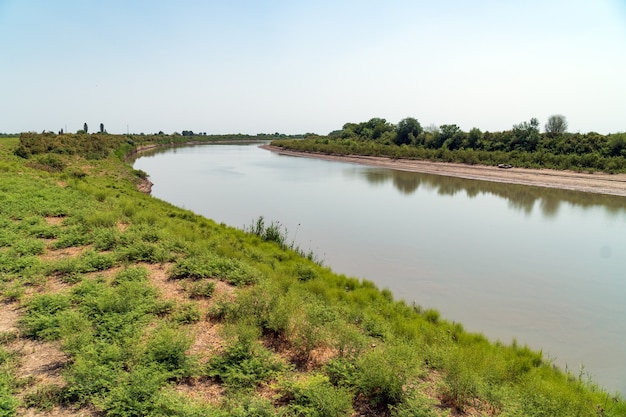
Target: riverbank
{"x": 600, "y": 183}
{"x": 116, "y": 303}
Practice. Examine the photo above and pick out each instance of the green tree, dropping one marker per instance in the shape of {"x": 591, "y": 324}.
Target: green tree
{"x": 525, "y": 136}
{"x": 449, "y": 136}
{"x": 377, "y": 127}
{"x": 407, "y": 130}
{"x": 473, "y": 137}
{"x": 557, "y": 125}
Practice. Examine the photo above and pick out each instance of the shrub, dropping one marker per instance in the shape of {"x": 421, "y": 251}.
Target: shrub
{"x": 186, "y": 313}
{"x": 135, "y": 393}
{"x": 50, "y": 163}
{"x": 167, "y": 349}
{"x": 45, "y": 397}
{"x": 92, "y": 261}
{"x": 8, "y": 403}
{"x": 131, "y": 274}
{"x": 42, "y": 315}
{"x": 244, "y": 363}
{"x": 105, "y": 218}
{"x": 415, "y": 405}
{"x": 315, "y": 396}
{"x": 26, "y": 246}
{"x": 212, "y": 266}
{"x": 462, "y": 378}
{"x": 383, "y": 373}
{"x": 200, "y": 289}
{"x": 305, "y": 273}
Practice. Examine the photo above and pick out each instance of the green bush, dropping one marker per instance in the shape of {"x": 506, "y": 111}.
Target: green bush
{"x": 42, "y": 315}
{"x": 167, "y": 349}
{"x": 92, "y": 261}
{"x": 209, "y": 265}
{"x": 45, "y": 397}
{"x": 382, "y": 374}
{"x": 315, "y": 396}
{"x": 106, "y": 238}
{"x": 415, "y": 405}
{"x": 186, "y": 313}
{"x": 201, "y": 289}
{"x": 131, "y": 274}
{"x": 135, "y": 393}
{"x": 244, "y": 363}
{"x": 8, "y": 402}
{"x": 462, "y": 382}
{"x": 26, "y": 246}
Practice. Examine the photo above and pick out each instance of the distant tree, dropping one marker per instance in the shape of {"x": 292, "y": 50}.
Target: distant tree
{"x": 449, "y": 135}
{"x": 473, "y": 137}
{"x": 557, "y": 125}
{"x": 525, "y": 136}
{"x": 101, "y": 127}
{"x": 407, "y": 130}
{"x": 85, "y": 128}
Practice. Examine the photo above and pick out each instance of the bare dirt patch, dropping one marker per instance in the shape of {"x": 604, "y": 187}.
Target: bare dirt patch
{"x": 41, "y": 361}
{"x": 52, "y": 221}
{"x": 202, "y": 390}
{"x": 51, "y": 255}
{"x": 207, "y": 340}
{"x": 9, "y": 317}
{"x": 60, "y": 412}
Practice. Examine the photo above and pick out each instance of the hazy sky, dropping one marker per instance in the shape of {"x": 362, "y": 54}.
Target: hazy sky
{"x": 237, "y": 66}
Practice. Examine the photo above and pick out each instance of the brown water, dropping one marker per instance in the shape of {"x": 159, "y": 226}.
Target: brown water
{"x": 547, "y": 267}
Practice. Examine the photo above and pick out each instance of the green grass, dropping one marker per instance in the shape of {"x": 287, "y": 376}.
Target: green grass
{"x": 79, "y": 255}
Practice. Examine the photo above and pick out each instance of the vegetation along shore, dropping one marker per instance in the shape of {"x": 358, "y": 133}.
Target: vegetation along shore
{"x": 114, "y": 303}
{"x": 588, "y": 162}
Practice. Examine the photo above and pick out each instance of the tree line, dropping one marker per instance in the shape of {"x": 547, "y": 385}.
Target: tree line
{"x": 523, "y": 145}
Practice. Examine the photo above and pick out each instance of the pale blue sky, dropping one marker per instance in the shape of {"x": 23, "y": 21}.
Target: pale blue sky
{"x": 309, "y": 66}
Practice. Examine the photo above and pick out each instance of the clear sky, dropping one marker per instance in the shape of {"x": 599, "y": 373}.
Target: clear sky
{"x": 243, "y": 66}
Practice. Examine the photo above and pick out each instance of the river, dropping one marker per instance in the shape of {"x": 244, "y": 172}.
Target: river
{"x": 546, "y": 267}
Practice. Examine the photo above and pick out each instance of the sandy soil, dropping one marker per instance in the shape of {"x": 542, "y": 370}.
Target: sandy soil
{"x": 568, "y": 180}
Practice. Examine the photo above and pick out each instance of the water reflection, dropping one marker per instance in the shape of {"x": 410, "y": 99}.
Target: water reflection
{"x": 520, "y": 197}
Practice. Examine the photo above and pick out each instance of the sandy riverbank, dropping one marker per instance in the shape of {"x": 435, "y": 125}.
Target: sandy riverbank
{"x": 568, "y": 180}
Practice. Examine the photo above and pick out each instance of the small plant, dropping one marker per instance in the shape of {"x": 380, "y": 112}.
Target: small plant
{"x": 45, "y": 397}
{"x": 101, "y": 218}
{"x": 305, "y": 273}
{"x": 245, "y": 363}
{"x": 201, "y": 289}
{"x": 42, "y": 316}
{"x": 415, "y": 405}
{"x": 167, "y": 348}
{"x": 92, "y": 261}
{"x": 8, "y": 402}
{"x": 50, "y": 163}
{"x": 131, "y": 274}
{"x": 187, "y": 313}
{"x": 383, "y": 373}
{"x": 209, "y": 265}
{"x": 14, "y": 292}
{"x": 315, "y": 396}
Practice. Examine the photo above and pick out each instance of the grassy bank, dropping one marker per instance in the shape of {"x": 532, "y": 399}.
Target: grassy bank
{"x": 115, "y": 303}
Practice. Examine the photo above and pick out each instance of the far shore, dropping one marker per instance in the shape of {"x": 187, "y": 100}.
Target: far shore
{"x": 599, "y": 183}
